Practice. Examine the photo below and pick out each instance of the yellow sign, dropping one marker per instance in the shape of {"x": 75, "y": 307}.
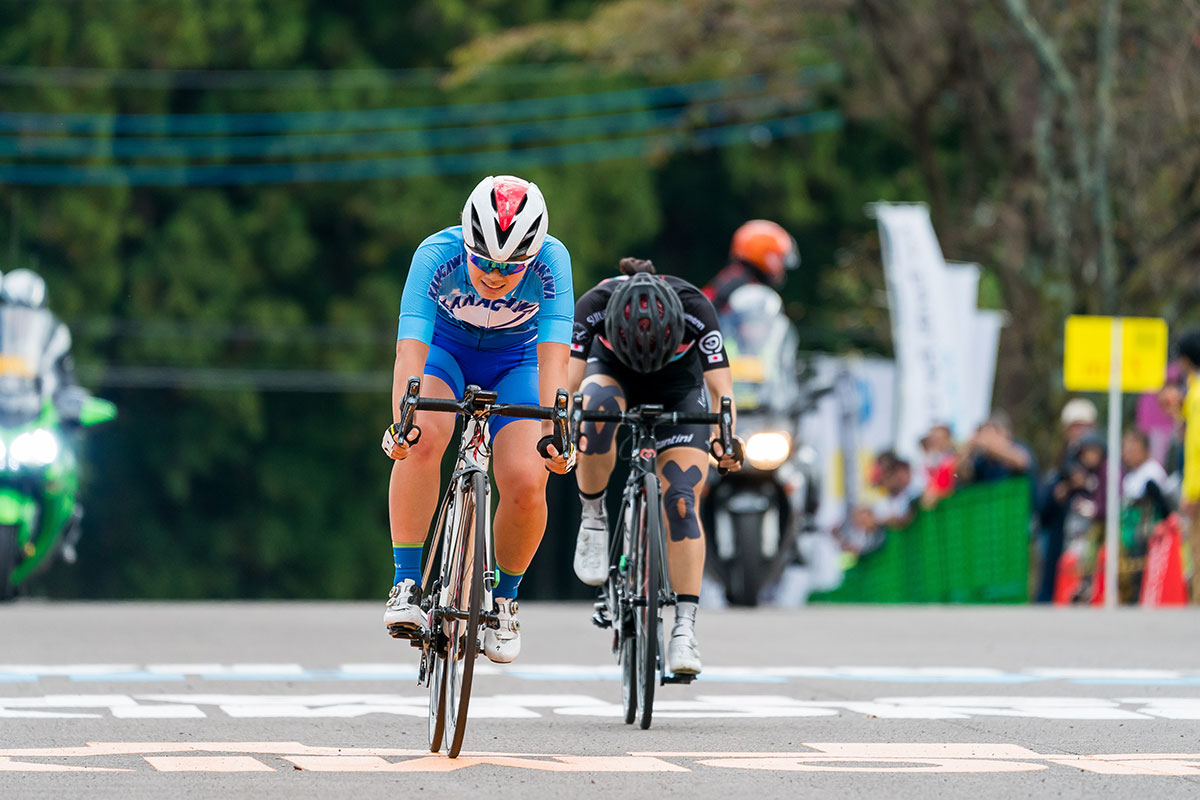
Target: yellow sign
{"x": 1087, "y": 358}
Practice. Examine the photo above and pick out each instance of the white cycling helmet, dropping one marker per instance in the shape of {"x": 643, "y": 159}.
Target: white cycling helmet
{"x": 505, "y": 219}
{"x": 23, "y": 287}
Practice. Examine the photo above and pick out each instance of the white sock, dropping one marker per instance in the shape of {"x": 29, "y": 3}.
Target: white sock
{"x": 685, "y": 618}
{"x": 593, "y": 506}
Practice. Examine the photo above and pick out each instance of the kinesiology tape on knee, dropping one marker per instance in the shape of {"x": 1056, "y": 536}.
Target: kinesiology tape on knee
{"x": 679, "y": 501}
{"x": 598, "y": 437}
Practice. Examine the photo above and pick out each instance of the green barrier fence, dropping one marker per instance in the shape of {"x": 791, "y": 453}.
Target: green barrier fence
{"x": 972, "y": 548}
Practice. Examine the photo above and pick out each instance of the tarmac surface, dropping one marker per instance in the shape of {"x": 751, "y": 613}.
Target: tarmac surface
{"x": 315, "y": 700}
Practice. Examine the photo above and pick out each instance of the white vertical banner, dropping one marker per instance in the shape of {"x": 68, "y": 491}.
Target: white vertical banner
{"x": 928, "y": 386}
{"x": 962, "y": 294}
{"x": 985, "y": 347}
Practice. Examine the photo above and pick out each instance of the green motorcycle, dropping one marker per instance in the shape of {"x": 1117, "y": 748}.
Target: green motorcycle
{"x": 39, "y": 477}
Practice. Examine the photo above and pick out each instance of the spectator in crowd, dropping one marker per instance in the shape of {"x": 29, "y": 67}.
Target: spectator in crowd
{"x": 1143, "y": 505}
{"x": 1189, "y": 358}
{"x": 1145, "y": 479}
{"x": 992, "y": 453}
{"x": 1065, "y": 484}
{"x": 941, "y": 464}
{"x": 867, "y": 527}
{"x": 1170, "y": 400}
{"x": 1078, "y": 418}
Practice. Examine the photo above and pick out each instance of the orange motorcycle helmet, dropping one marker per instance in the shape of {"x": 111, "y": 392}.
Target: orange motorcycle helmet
{"x": 767, "y": 247}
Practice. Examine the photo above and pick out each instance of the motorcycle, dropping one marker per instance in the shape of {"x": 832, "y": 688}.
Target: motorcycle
{"x": 756, "y": 515}
{"x": 39, "y": 468}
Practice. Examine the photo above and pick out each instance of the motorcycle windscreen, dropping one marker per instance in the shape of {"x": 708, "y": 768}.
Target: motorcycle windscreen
{"x": 761, "y": 345}
{"x": 24, "y": 337}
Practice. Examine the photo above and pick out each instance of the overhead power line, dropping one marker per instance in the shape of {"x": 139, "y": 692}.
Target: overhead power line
{"x": 385, "y": 118}
{"x": 325, "y": 144}
{"x": 435, "y": 164}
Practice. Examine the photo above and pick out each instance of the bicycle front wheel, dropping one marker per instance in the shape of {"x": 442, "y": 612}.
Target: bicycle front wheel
{"x": 468, "y": 564}
{"x": 621, "y": 589}
{"x": 648, "y": 570}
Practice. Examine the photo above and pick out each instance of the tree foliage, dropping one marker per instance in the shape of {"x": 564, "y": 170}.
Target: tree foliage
{"x": 199, "y": 493}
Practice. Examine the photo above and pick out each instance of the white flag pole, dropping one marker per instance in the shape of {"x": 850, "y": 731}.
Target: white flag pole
{"x": 1112, "y": 495}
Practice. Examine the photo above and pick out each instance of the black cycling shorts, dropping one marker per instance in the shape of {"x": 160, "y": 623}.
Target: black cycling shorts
{"x": 684, "y": 392}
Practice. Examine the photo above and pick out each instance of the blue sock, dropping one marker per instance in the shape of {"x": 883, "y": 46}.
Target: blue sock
{"x": 508, "y": 583}
{"x": 407, "y": 558}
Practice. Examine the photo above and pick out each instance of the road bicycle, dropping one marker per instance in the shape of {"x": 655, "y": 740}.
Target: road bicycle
{"x": 459, "y": 600}
{"x": 638, "y": 585}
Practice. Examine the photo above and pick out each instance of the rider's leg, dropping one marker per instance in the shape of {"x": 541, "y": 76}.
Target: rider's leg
{"x": 597, "y": 446}
{"x": 597, "y": 456}
{"x": 519, "y": 524}
{"x": 416, "y": 481}
{"x": 521, "y": 480}
{"x": 681, "y": 472}
{"x": 412, "y": 499}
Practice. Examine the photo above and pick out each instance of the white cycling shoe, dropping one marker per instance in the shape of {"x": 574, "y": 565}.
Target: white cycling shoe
{"x": 591, "y": 549}
{"x": 683, "y": 655}
{"x": 403, "y": 616}
{"x": 503, "y": 644}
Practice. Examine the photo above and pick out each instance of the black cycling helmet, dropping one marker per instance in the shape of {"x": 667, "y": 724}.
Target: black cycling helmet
{"x": 644, "y": 322}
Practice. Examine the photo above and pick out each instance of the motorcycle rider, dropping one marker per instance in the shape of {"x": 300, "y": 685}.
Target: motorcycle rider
{"x": 36, "y": 367}
{"x": 23, "y": 314}
{"x": 642, "y": 338}
{"x": 761, "y": 252}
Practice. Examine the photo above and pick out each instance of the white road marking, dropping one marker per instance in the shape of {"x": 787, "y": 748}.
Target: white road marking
{"x": 406, "y": 670}
{"x": 531, "y": 706}
{"x": 845, "y": 757}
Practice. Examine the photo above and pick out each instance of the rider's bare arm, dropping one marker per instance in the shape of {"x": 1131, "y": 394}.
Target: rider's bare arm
{"x": 410, "y": 360}
{"x": 720, "y": 384}
{"x": 552, "y": 376}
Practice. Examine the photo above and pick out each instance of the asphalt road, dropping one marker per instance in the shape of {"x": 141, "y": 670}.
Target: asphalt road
{"x": 313, "y": 699}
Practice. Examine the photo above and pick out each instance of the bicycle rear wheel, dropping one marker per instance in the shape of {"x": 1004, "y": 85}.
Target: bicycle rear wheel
{"x": 649, "y": 569}
{"x": 466, "y": 598}
{"x": 437, "y": 699}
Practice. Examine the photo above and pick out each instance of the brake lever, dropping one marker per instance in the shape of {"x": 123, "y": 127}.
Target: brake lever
{"x": 726, "y": 431}
{"x": 408, "y": 411}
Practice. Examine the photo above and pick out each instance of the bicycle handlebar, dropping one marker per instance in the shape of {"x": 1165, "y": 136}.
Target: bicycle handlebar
{"x": 648, "y": 416}
{"x": 477, "y": 401}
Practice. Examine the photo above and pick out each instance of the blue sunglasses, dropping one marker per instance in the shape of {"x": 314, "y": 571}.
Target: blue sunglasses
{"x": 503, "y": 267}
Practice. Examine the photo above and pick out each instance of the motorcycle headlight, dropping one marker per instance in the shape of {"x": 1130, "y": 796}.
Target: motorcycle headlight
{"x": 34, "y": 448}
{"x": 769, "y": 449}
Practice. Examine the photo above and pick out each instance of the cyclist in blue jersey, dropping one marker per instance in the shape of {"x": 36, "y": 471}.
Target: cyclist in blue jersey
{"x": 489, "y": 303}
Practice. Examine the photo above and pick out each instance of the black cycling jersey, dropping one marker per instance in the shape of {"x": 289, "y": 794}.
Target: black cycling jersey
{"x": 729, "y": 280}
{"x": 702, "y": 347}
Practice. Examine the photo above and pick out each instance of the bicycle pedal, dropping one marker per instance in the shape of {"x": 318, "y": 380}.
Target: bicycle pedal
{"x": 407, "y": 632}
{"x": 683, "y": 679}
{"x": 601, "y": 620}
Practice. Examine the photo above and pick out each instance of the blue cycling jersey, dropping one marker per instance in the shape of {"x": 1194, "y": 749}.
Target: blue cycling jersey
{"x": 438, "y": 292}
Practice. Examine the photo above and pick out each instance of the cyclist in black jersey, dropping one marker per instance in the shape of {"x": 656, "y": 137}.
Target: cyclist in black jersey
{"x": 638, "y": 339}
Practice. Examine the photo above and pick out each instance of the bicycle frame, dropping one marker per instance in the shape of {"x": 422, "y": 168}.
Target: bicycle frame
{"x": 474, "y": 457}
{"x": 639, "y": 580}
{"x": 460, "y": 601}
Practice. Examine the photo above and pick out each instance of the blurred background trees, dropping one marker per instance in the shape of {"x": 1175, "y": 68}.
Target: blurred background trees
{"x": 201, "y": 309}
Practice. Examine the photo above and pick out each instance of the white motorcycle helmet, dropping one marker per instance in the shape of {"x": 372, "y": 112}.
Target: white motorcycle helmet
{"x": 23, "y": 287}
{"x": 505, "y": 219}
